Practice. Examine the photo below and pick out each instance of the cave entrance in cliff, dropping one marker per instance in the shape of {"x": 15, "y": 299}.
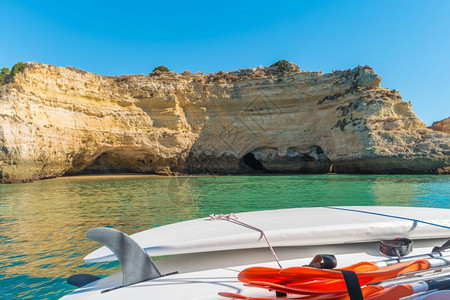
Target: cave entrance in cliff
{"x": 250, "y": 160}
{"x": 121, "y": 160}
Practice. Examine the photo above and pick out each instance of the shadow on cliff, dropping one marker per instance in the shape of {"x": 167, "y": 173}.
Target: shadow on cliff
{"x": 294, "y": 160}
{"x": 117, "y": 161}
{"x": 262, "y": 160}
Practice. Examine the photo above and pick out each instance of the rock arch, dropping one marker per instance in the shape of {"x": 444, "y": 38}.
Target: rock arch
{"x": 294, "y": 160}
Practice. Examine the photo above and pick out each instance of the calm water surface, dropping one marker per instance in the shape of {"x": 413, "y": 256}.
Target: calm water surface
{"x": 42, "y": 224}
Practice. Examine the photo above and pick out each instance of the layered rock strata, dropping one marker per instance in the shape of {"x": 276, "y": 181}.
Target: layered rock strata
{"x": 443, "y": 125}
{"x": 56, "y": 121}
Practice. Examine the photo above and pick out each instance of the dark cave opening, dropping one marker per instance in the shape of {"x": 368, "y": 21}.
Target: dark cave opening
{"x": 114, "y": 161}
{"x": 251, "y": 161}
{"x": 307, "y": 157}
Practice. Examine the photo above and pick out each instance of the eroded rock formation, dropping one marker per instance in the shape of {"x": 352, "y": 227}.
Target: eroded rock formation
{"x": 56, "y": 121}
{"x": 443, "y": 125}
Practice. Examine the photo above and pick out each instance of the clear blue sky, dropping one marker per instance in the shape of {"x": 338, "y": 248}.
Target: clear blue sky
{"x": 406, "y": 42}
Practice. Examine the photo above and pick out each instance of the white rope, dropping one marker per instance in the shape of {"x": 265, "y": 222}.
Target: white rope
{"x": 234, "y": 219}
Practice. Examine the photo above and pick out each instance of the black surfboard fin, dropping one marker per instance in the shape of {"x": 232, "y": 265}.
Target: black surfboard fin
{"x": 80, "y": 280}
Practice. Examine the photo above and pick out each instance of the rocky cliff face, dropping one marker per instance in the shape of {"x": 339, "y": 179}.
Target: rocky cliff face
{"x": 56, "y": 121}
{"x": 443, "y": 125}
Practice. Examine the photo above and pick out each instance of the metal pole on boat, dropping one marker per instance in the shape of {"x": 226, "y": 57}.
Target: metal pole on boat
{"x": 392, "y": 261}
{"x": 234, "y": 219}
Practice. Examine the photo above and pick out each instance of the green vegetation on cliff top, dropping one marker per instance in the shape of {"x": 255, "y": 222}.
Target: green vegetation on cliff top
{"x": 6, "y": 74}
{"x": 161, "y": 69}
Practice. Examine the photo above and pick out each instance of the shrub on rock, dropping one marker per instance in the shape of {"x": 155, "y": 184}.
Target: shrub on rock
{"x": 3, "y": 73}
{"x": 283, "y": 65}
{"x": 161, "y": 69}
{"x": 17, "y": 68}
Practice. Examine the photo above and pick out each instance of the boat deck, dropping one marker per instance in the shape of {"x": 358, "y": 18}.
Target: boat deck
{"x": 207, "y": 284}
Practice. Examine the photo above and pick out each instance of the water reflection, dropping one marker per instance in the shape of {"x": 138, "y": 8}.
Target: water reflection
{"x": 43, "y": 224}
{"x": 431, "y": 191}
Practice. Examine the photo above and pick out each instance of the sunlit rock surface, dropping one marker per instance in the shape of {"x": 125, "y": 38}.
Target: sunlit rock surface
{"x": 56, "y": 121}
{"x": 443, "y": 125}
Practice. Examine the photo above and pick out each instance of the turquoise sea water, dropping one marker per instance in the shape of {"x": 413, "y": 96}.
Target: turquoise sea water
{"x": 43, "y": 224}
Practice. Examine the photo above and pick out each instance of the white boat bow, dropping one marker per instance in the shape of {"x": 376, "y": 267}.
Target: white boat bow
{"x": 210, "y": 254}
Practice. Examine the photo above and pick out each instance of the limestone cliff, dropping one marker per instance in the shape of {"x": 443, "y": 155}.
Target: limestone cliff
{"x": 443, "y": 125}
{"x": 56, "y": 121}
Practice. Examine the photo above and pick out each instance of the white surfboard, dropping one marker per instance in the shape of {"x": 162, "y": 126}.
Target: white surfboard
{"x": 291, "y": 227}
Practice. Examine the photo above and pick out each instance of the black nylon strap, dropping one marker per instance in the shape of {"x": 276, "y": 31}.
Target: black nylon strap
{"x": 323, "y": 261}
{"x": 329, "y": 261}
{"x": 280, "y": 294}
{"x": 446, "y": 246}
{"x": 398, "y": 247}
{"x": 353, "y": 286}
